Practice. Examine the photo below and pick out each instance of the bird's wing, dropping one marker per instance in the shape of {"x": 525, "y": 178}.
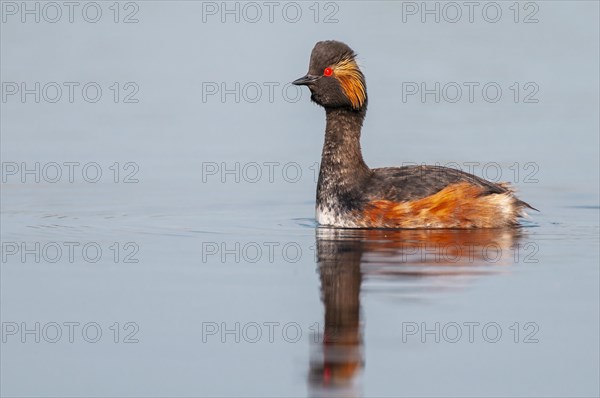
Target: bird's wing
{"x": 408, "y": 183}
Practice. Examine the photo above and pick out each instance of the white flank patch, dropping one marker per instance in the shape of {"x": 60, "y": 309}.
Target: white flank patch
{"x": 327, "y": 217}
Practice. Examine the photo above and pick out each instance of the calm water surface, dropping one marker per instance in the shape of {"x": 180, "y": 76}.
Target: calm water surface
{"x": 194, "y": 266}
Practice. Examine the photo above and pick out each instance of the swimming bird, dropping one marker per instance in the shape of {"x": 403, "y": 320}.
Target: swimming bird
{"x": 352, "y": 195}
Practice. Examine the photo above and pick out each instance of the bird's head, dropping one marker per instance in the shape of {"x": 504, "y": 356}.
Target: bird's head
{"x": 334, "y": 78}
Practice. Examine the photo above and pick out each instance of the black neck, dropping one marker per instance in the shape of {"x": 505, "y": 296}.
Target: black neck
{"x": 342, "y": 164}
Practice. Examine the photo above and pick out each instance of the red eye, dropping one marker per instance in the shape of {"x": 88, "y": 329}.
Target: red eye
{"x": 328, "y": 72}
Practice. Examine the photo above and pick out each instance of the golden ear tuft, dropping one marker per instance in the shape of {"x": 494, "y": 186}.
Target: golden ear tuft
{"x": 352, "y": 81}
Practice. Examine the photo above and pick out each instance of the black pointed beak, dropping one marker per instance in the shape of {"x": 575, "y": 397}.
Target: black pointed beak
{"x": 305, "y": 80}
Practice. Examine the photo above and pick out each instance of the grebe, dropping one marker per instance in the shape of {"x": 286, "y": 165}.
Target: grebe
{"x": 351, "y": 195}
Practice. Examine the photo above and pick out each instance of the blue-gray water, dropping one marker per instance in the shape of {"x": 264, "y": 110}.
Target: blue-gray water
{"x": 202, "y": 265}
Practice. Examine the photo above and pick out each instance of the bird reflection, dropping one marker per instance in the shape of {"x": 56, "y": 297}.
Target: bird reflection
{"x": 389, "y": 260}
